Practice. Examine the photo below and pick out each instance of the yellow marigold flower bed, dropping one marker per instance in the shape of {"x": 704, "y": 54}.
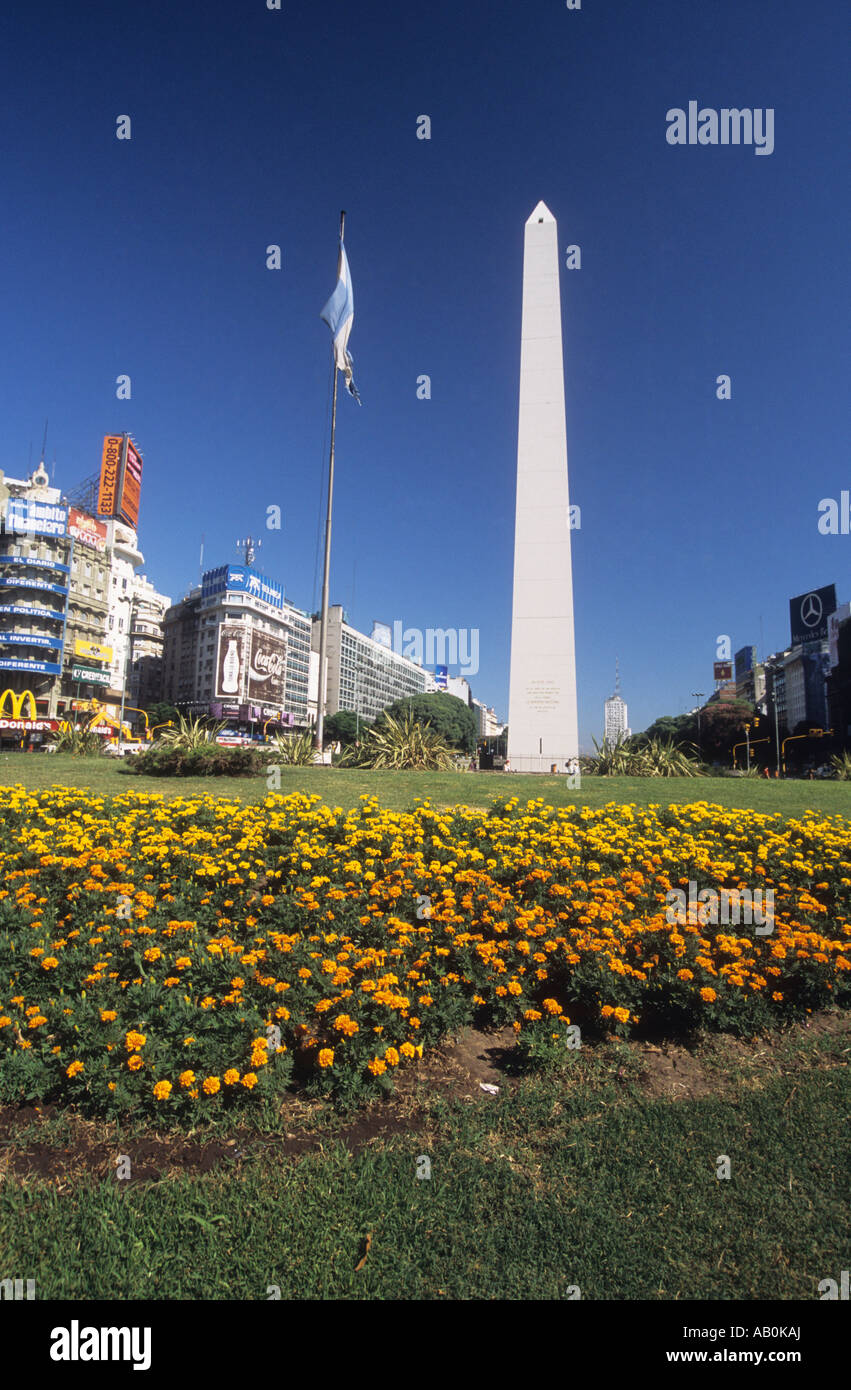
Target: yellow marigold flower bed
{"x": 146, "y": 942}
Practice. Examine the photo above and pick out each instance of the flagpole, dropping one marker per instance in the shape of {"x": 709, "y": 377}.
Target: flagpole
{"x": 323, "y": 627}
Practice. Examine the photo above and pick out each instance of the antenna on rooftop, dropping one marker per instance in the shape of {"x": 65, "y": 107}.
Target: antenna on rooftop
{"x": 248, "y": 546}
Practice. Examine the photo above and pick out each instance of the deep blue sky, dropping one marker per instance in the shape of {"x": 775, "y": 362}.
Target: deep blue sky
{"x": 253, "y": 127}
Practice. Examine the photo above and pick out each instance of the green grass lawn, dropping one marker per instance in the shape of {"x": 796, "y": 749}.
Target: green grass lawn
{"x": 399, "y": 790}
{"x": 575, "y": 1178}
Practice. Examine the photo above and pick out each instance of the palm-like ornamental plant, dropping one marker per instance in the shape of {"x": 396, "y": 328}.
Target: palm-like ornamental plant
{"x": 655, "y": 758}
{"x": 82, "y": 743}
{"x": 191, "y": 734}
{"x": 294, "y": 750}
{"x": 841, "y": 764}
{"x": 401, "y": 743}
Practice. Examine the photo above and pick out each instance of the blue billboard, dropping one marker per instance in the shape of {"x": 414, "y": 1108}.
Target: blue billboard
{"x": 29, "y": 639}
{"x": 29, "y": 610}
{"x": 35, "y": 518}
{"x": 33, "y": 560}
{"x": 20, "y": 582}
{"x": 44, "y": 668}
{"x": 242, "y": 580}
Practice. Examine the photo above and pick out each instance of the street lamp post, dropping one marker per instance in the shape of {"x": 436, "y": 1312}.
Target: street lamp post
{"x": 128, "y": 600}
{"x": 698, "y": 695}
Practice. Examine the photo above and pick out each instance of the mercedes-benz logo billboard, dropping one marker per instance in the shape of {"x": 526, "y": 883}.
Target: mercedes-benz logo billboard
{"x": 811, "y": 610}
{"x": 809, "y": 614}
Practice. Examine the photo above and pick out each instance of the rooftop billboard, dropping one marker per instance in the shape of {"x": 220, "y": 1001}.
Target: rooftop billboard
{"x": 243, "y": 580}
{"x": 808, "y": 614}
{"x": 130, "y": 486}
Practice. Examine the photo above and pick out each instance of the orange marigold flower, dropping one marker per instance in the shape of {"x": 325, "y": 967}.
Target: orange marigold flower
{"x": 708, "y": 995}
{"x": 326, "y": 1057}
{"x": 231, "y": 1076}
{"x": 74, "y": 1069}
{"x": 211, "y": 1085}
{"x": 186, "y": 1079}
{"x": 162, "y": 1090}
{"x": 135, "y": 1062}
{"x": 108, "y": 1015}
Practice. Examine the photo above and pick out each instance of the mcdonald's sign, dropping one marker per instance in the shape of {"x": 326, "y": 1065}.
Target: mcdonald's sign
{"x": 16, "y": 703}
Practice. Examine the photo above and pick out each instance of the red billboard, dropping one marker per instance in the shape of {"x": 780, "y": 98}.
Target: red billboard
{"x": 722, "y": 670}
{"x": 131, "y": 486}
{"x": 86, "y": 530}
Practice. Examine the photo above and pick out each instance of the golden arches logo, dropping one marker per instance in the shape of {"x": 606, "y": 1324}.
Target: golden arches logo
{"x": 16, "y": 704}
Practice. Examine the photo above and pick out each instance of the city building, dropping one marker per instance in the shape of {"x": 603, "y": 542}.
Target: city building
{"x": 54, "y": 572}
{"x": 750, "y": 676}
{"x": 124, "y": 559}
{"x": 724, "y": 693}
{"x": 460, "y": 688}
{"x": 806, "y": 669}
{"x": 236, "y": 649}
{"x": 69, "y": 594}
{"x": 147, "y": 640}
{"x": 34, "y": 584}
{"x": 364, "y": 675}
{"x": 839, "y": 680}
{"x": 615, "y": 715}
{"x": 488, "y": 724}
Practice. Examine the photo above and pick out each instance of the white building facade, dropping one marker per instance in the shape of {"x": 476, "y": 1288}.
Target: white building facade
{"x": 364, "y": 675}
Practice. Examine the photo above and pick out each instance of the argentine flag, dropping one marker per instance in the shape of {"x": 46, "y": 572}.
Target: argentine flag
{"x": 338, "y": 314}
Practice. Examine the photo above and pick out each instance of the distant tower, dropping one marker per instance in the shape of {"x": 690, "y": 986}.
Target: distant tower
{"x": 615, "y": 712}
{"x": 542, "y": 716}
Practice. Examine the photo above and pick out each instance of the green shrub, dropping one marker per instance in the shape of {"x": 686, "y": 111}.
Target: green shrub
{"x": 206, "y": 760}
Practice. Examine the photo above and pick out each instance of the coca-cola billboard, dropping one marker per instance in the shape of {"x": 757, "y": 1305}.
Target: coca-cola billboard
{"x": 267, "y": 673}
{"x": 230, "y": 674}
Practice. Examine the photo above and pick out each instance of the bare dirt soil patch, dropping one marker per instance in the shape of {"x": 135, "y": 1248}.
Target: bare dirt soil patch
{"x": 47, "y": 1144}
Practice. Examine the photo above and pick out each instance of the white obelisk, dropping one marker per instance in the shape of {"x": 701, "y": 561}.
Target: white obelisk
{"x": 542, "y": 715}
